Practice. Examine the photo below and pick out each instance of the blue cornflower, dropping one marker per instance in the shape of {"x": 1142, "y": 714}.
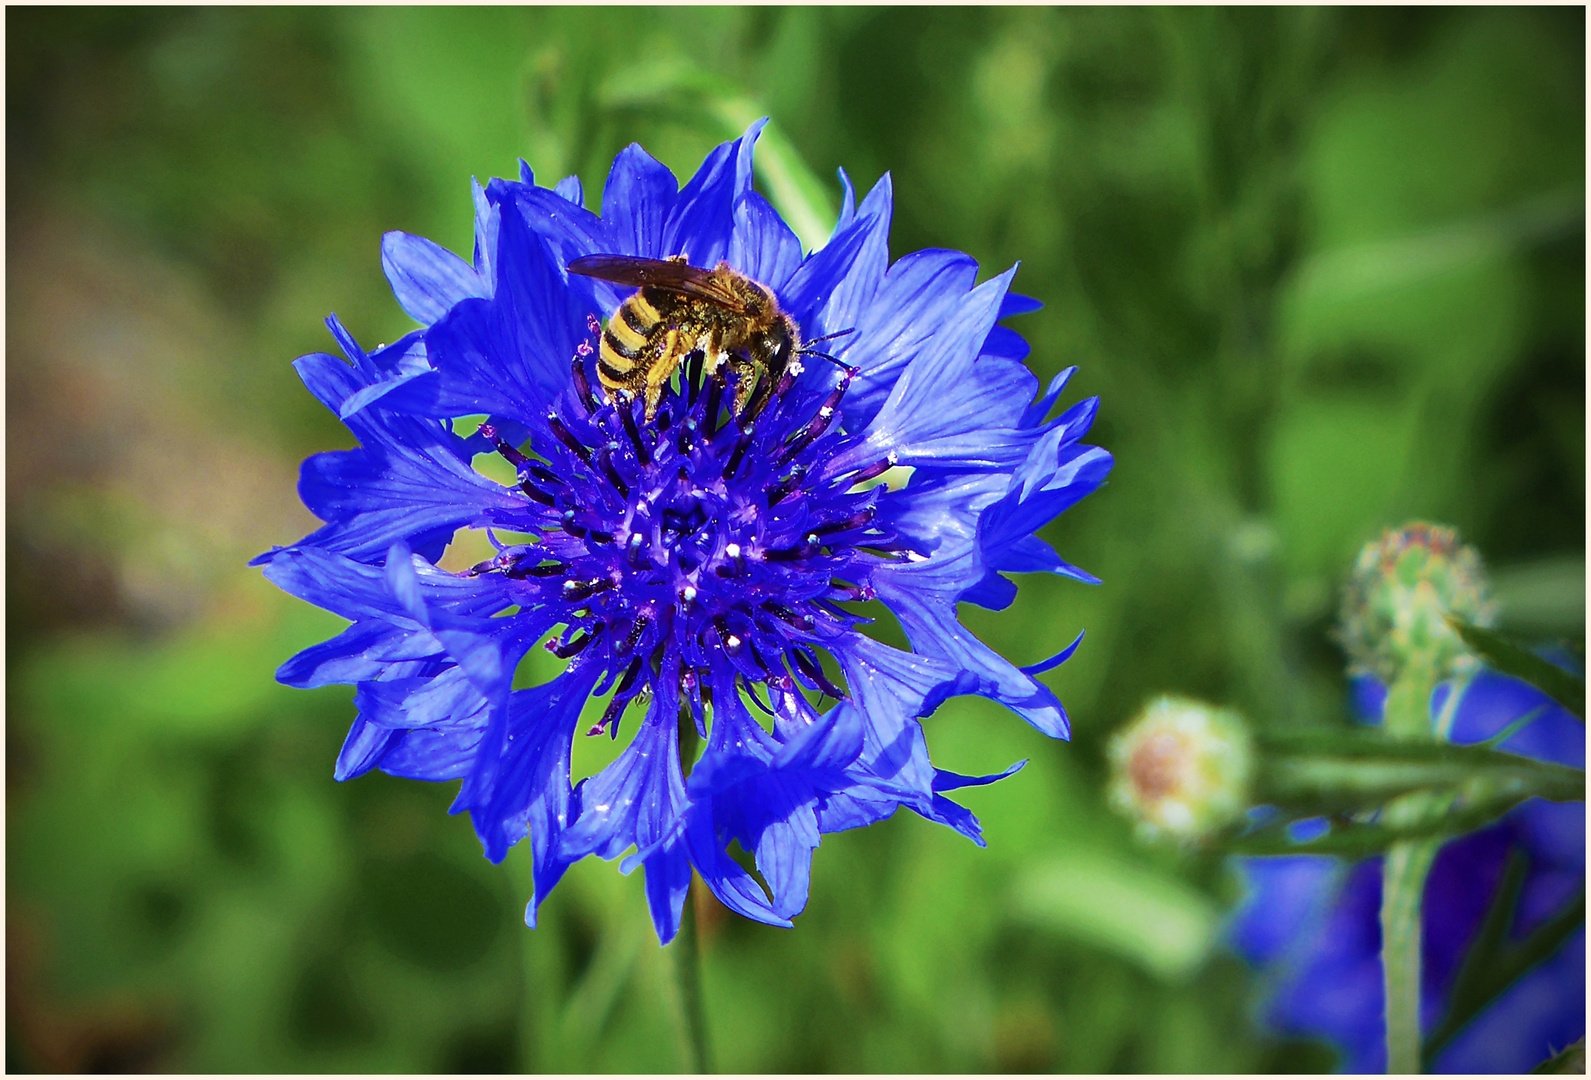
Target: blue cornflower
{"x": 1312, "y": 924}
{"x": 692, "y": 565}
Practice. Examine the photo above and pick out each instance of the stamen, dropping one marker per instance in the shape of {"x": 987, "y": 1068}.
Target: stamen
{"x": 563, "y": 650}
{"x": 737, "y": 564}
{"x": 780, "y": 490}
{"x": 790, "y": 615}
{"x": 502, "y": 446}
{"x": 807, "y": 663}
{"x": 636, "y": 631}
{"x": 820, "y": 423}
{"x": 790, "y": 554}
{"x": 542, "y": 473}
{"x": 610, "y": 716}
{"x": 878, "y": 468}
{"x": 613, "y": 474}
{"x": 550, "y": 569}
{"x": 565, "y": 436}
{"x": 715, "y": 400}
{"x": 642, "y": 454}
{"x": 536, "y": 494}
{"x": 731, "y": 642}
{"x": 631, "y": 673}
{"x": 576, "y": 591}
{"x": 844, "y": 591}
{"x": 693, "y": 375}
{"x": 582, "y": 384}
{"x": 742, "y": 444}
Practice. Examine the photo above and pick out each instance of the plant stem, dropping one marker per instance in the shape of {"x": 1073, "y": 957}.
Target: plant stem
{"x": 1408, "y": 862}
{"x": 686, "y": 947}
{"x": 688, "y": 978}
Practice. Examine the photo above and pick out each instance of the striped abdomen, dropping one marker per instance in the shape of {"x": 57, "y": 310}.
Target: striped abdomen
{"x": 645, "y": 341}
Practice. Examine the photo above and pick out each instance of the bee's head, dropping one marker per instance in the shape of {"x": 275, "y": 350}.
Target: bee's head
{"x": 781, "y": 342}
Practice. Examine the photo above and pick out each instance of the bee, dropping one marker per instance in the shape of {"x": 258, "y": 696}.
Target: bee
{"x": 733, "y": 321}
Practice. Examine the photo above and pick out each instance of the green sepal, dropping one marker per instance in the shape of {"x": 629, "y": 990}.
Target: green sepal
{"x": 1512, "y": 659}
{"x": 1571, "y": 1059}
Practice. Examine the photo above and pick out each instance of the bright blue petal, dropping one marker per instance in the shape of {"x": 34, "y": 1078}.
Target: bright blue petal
{"x": 701, "y": 224}
{"x": 763, "y": 248}
{"x": 916, "y": 301}
{"x": 832, "y": 289}
{"x": 571, "y": 190}
{"x": 935, "y": 413}
{"x": 636, "y": 203}
{"x": 427, "y": 278}
{"x": 510, "y": 355}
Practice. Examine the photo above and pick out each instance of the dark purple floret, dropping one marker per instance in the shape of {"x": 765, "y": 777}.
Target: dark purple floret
{"x": 692, "y": 543}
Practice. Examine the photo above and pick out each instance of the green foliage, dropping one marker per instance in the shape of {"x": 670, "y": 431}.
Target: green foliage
{"x": 1509, "y": 658}
{"x": 1324, "y": 267}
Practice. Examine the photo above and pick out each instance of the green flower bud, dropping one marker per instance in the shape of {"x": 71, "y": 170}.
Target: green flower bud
{"x": 1181, "y": 770}
{"x": 1395, "y": 608}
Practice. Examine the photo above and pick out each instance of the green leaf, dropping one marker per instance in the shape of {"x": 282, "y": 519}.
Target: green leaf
{"x": 1512, "y": 659}
{"x": 1347, "y": 771}
{"x": 1352, "y": 775}
{"x": 1107, "y": 901}
{"x": 1358, "y": 839}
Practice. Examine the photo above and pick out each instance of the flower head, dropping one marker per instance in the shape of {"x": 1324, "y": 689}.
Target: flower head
{"x": 1403, "y": 588}
{"x": 1181, "y": 769}
{"x": 689, "y": 556}
{"x": 1311, "y": 923}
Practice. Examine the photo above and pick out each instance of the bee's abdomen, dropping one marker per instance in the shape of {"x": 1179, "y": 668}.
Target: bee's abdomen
{"x": 627, "y": 339}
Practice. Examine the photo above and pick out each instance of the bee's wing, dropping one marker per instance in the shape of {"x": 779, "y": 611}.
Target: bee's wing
{"x": 669, "y": 274}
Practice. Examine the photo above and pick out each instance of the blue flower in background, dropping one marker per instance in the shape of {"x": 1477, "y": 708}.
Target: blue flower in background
{"x": 693, "y": 565}
{"x": 1312, "y": 923}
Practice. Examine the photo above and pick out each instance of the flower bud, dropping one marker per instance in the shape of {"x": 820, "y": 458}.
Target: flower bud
{"x": 1395, "y": 607}
{"x": 1181, "y": 769}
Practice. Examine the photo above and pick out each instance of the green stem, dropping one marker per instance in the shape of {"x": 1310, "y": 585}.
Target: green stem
{"x": 688, "y": 979}
{"x": 686, "y": 947}
{"x": 1407, "y": 865}
{"x": 1408, "y": 862}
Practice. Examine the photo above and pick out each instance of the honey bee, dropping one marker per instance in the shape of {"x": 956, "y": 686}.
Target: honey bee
{"x": 732, "y": 320}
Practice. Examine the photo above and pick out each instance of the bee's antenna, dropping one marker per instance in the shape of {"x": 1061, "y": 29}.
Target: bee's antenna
{"x": 826, "y": 337}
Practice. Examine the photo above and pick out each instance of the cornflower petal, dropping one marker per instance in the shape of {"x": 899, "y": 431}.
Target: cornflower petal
{"x": 426, "y": 278}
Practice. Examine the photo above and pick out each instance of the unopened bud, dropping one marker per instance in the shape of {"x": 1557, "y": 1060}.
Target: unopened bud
{"x": 1181, "y": 769}
{"x": 1402, "y": 590}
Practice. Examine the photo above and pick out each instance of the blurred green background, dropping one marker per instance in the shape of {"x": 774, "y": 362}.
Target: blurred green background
{"x": 1325, "y": 268}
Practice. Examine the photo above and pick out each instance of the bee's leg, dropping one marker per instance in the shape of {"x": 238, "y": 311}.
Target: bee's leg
{"x": 754, "y": 392}
{"x": 692, "y": 375}
{"x": 655, "y": 372}
{"x": 758, "y": 400}
{"x": 656, "y": 379}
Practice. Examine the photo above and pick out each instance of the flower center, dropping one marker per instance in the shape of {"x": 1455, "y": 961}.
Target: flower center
{"x": 699, "y": 535}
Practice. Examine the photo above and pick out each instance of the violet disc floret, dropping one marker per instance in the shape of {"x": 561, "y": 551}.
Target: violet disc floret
{"x": 694, "y": 566}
